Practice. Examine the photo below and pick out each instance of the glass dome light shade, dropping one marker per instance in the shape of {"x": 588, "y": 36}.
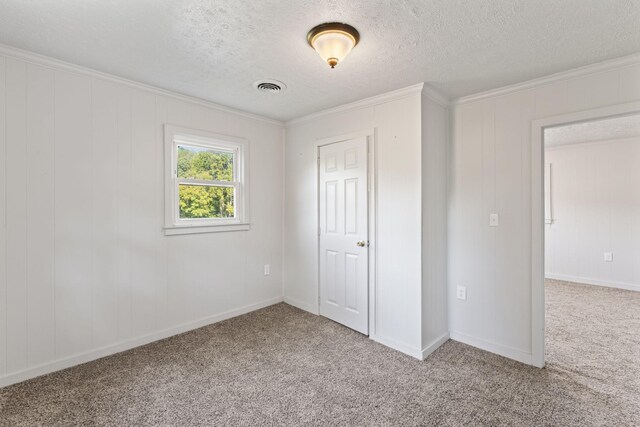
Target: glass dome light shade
{"x": 333, "y": 41}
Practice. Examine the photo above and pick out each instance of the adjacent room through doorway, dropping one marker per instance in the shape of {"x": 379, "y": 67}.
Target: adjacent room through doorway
{"x": 592, "y": 252}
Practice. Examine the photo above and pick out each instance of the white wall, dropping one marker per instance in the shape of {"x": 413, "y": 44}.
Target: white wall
{"x": 85, "y": 269}
{"x": 491, "y": 172}
{"x": 435, "y": 160}
{"x": 398, "y": 215}
{"x": 595, "y": 195}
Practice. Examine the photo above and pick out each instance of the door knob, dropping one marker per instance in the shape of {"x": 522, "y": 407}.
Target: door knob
{"x": 361, "y": 243}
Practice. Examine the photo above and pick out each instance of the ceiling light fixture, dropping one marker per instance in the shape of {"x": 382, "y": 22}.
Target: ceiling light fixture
{"x": 333, "y": 41}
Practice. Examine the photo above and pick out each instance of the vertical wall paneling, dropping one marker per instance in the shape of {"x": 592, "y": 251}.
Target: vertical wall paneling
{"x": 161, "y": 243}
{"x": 144, "y": 229}
{"x": 524, "y": 310}
{"x": 620, "y": 223}
{"x": 435, "y": 143}
{"x": 123, "y": 177}
{"x": 399, "y": 243}
{"x": 16, "y": 211}
{"x": 104, "y": 101}
{"x": 468, "y": 220}
{"x": 73, "y": 213}
{"x": 454, "y": 211}
{"x": 40, "y": 218}
{"x": 509, "y": 187}
{"x": 3, "y": 221}
{"x": 489, "y": 272}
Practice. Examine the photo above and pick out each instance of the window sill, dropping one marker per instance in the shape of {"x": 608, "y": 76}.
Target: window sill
{"x": 197, "y": 229}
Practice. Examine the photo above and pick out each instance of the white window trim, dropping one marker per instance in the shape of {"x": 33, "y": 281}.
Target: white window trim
{"x": 173, "y": 136}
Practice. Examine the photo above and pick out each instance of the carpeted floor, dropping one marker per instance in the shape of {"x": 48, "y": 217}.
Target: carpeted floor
{"x": 282, "y": 366}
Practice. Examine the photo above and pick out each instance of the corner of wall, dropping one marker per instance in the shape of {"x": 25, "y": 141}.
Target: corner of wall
{"x": 283, "y": 210}
{"x": 435, "y": 146}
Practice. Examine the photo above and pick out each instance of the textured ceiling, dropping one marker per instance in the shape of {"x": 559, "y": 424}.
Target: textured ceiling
{"x": 216, "y": 49}
{"x": 600, "y": 130}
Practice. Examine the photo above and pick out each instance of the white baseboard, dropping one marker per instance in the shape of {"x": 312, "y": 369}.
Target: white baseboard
{"x": 302, "y": 305}
{"x": 508, "y": 352}
{"x": 399, "y": 346}
{"x": 595, "y": 282}
{"x": 434, "y": 345}
{"x": 88, "y": 356}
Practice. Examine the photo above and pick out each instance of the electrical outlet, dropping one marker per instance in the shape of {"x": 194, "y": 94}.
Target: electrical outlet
{"x": 608, "y": 257}
{"x": 494, "y": 220}
{"x": 267, "y": 269}
{"x": 461, "y": 292}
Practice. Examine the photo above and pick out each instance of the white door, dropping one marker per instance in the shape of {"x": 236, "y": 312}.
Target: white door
{"x": 343, "y": 230}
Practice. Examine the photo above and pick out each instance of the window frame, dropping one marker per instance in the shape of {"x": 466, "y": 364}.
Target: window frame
{"x": 175, "y": 136}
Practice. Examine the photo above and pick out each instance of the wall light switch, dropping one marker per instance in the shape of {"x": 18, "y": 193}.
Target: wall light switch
{"x": 608, "y": 257}
{"x": 461, "y": 292}
{"x": 494, "y": 220}
{"x": 267, "y": 269}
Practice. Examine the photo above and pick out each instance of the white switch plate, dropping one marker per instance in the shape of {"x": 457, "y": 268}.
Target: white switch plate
{"x": 461, "y": 292}
{"x": 267, "y": 269}
{"x": 608, "y": 257}
{"x": 494, "y": 220}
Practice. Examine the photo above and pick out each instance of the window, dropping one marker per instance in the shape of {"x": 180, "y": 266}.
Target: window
{"x": 206, "y": 187}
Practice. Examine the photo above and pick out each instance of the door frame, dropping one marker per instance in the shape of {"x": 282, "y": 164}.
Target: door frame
{"x": 537, "y": 212}
{"x": 371, "y": 217}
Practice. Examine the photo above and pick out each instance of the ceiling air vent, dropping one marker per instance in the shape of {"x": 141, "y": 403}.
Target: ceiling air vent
{"x": 270, "y": 86}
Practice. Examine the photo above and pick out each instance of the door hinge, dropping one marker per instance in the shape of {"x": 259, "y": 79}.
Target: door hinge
{"x": 318, "y": 161}
{"x": 319, "y": 231}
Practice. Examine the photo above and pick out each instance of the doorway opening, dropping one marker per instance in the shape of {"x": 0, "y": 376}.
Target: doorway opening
{"x": 586, "y": 237}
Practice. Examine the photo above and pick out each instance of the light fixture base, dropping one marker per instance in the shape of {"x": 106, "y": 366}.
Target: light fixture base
{"x": 333, "y": 26}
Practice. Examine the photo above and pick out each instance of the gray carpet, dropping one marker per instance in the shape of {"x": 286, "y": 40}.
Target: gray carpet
{"x": 282, "y": 366}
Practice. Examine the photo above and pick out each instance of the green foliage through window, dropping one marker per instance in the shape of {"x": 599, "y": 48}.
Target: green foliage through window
{"x": 205, "y": 201}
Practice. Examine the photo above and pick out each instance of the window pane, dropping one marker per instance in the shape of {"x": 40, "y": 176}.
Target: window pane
{"x": 204, "y": 163}
{"x": 201, "y": 201}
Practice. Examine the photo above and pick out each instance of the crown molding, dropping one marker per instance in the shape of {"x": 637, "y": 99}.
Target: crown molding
{"x": 45, "y": 61}
{"x": 598, "y": 67}
{"x": 436, "y": 96}
{"x": 363, "y": 103}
